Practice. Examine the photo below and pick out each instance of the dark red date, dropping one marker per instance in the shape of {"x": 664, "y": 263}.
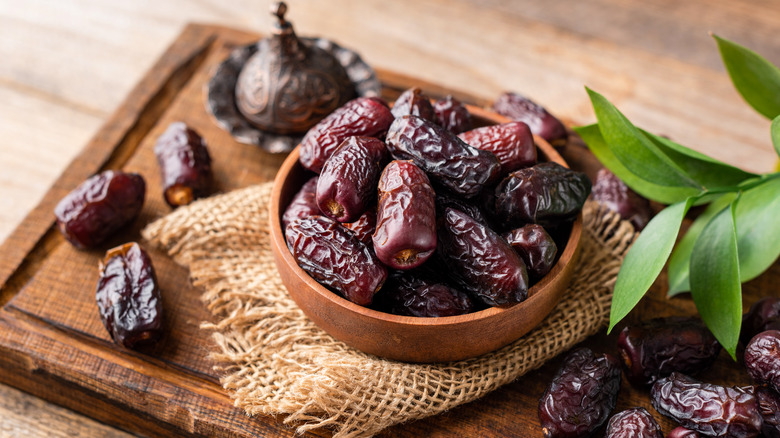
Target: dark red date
{"x": 581, "y": 395}
{"x": 364, "y": 116}
{"x": 763, "y": 315}
{"x": 481, "y": 261}
{"x": 709, "y": 409}
{"x": 413, "y": 102}
{"x": 762, "y": 358}
{"x": 335, "y": 257}
{"x": 660, "y": 346}
{"x": 633, "y": 423}
{"x": 452, "y": 115}
{"x": 618, "y": 197}
{"x": 535, "y": 247}
{"x": 448, "y": 161}
{"x": 412, "y": 295}
{"x": 99, "y": 207}
{"x": 446, "y": 200}
{"x": 541, "y": 122}
{"x": 303, "y": 204}
{"x": 365, "y": 226}
{"x": 405, "y": 234}
{"x": 512, "y": 143}
{"x": 128, "y": 296}
{"x": 769, "y": 407}
{"x": 347, "y": 184}
{"x": 185, "y": 164}
{"x": 681, "y": 432}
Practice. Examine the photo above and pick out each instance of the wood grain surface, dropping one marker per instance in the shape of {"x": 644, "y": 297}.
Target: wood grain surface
{"x": 68, "y": 64}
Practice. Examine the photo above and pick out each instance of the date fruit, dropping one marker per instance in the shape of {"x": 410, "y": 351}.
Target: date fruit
{"x": 446, "y": 200}
{"x": 365, "y": 226}
{"x": 303, "y": 204}
{"x": 405, "y": 234}
{"x": 413, "y": 102}
{"x": 763, "y": 315}
{"x": 545, "y": 193}
{"x": 541, "y": 122}
{"x": 185, "y": 164}
{"x": 681, "y": 432}
{"x": 99, "y": 207}
{"x": 412, "y": 295}
{"x": 657, "y": 347}
{"x": 448, "y": 161}
{"x": 618, "y": 197}
{"x": 347, "y": 184}
{"x": 335, "y": 257}
{"x": 633, "y": 423}
{"x": 452, "y": 115}
{"x": 581, "y": 395}
{"x": 128, "y": 296}
{"x": 481, "y": 261}
{"x": 535, "y": 247}
{"x": 364, "y": 116}
{"x": 762, "y": 358}
{"x": 709, "y": 409}
{"x": 512, "y": 143}
{"x": 769, "y": 407}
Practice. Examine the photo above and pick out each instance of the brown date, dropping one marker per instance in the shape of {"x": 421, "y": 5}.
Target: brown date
{"x": 415, "y": 103}
{"x": 185, "y": 164}
{"x": 452, "y": 115}
{"x": 303, "y": 204}
{"x": 364, "y": 116}
{"x": 405, "y": 234}
{"x": 347, "y": 184}
{"x": 709, "y": 409}
{"x": 762, "y": 358}
{"x": 335, "y": 257}
{"x": 542, "y": 123}
{"x": 544, "y": 194}
{"x": 128, "y": 297}
{"x": 481, "y": 261}
{"x": 618, "y": 197}
{"x": 763, "y": 315}
{"x": 535, "y": 247}
{"x": 408, "y": 294}
{"x": 512, "y": 143}
{"x": 633, "y": 423}
{"x": 448, "y": 161}
{"x": 769, "y": 407}
{"x": 99, "y": 207}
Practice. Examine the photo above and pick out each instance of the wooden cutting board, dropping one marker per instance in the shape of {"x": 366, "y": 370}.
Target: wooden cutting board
{"x": 53, "y": 344}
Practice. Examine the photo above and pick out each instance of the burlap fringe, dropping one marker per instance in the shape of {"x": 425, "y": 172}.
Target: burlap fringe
{"x": 275, "y": 361}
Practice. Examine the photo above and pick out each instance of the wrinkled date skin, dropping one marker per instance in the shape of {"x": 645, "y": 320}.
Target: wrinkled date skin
{"x": 364, "y": 116}
{"x": 303, "y": 204}
{"x": 347, "y": 184}
{"x": 364, "y": 227}
{"x": 633, "y": 423}
{"x": 412, "y": 295}
{"x": 581, "y": 395}
{"x": 541, "y": 122}
{"x": 452, "y": 115}
{"x": 448, "y": 161}
{"x": 512, "y": 143}
{"x": 335, "y": 257}
{"x": 762, "y": 358}
{"x": 99, "y": 207}
{"x": 535, "y": 247}
{"x": 763, "y": 315}
{"x": 544, "y": 194}
{"x": 709, "y": 409}
{"x": 413, "y": 102}
{"x": 405, "y": 234}
{"x": 446, "y": 200}
{"x": 681, "y": 432}
{"x": 657, "y": 347}
{"x": 185, "y": 164}
{"x": 481, "y": 261}
{"x": 769, "y": 407}
{"x": 618, "y": 197}
{"x": 128, "y": 297}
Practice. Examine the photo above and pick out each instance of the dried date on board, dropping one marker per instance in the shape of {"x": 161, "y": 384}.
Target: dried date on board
{"x": 99, "y": 207}
{"x": 128, "y": 296}
{"x": 541, "y": 122}
{"x": 512, "y": 143}
{"x": 335, "y": 257}
{"x": 185, "y": 164}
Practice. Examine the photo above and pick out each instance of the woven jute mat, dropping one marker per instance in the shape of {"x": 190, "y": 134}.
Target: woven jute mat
{"x": 274, "y": 360}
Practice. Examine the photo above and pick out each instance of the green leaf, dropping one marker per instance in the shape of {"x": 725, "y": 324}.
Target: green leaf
{"x": 758, "y": 228}
{"x": 775, "y": 131}
{"x": 591, "y": 134}
{"x": 715, "y": 285}
{"x": 637, "y": 153}
{"x": 707, "y": 171}
{"x": 645, "y": 259}
{"x": 755, "y": 78}
{"x": 680, "y": 261}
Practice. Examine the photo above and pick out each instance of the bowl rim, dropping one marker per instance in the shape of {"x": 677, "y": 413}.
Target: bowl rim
{"x": 566, "y": 256}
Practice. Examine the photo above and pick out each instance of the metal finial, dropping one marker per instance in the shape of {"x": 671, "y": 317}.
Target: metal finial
{"x": 279, "y": 9}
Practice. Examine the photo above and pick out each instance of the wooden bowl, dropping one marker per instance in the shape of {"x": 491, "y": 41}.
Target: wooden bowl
{"x": 414, "y": 339}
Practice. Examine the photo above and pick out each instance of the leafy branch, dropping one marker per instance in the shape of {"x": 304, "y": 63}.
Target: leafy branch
{"x": 735, "y": 239}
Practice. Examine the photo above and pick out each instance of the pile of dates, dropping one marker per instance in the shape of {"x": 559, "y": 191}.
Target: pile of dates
{"x": 662, "y": 354}
{"x": 414, "y": 211}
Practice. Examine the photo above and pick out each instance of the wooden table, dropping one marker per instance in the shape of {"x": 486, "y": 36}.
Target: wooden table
{"x": 67, "y": 65}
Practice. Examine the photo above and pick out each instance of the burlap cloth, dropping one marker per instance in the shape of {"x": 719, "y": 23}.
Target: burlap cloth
{"x": 273, "y": 360}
